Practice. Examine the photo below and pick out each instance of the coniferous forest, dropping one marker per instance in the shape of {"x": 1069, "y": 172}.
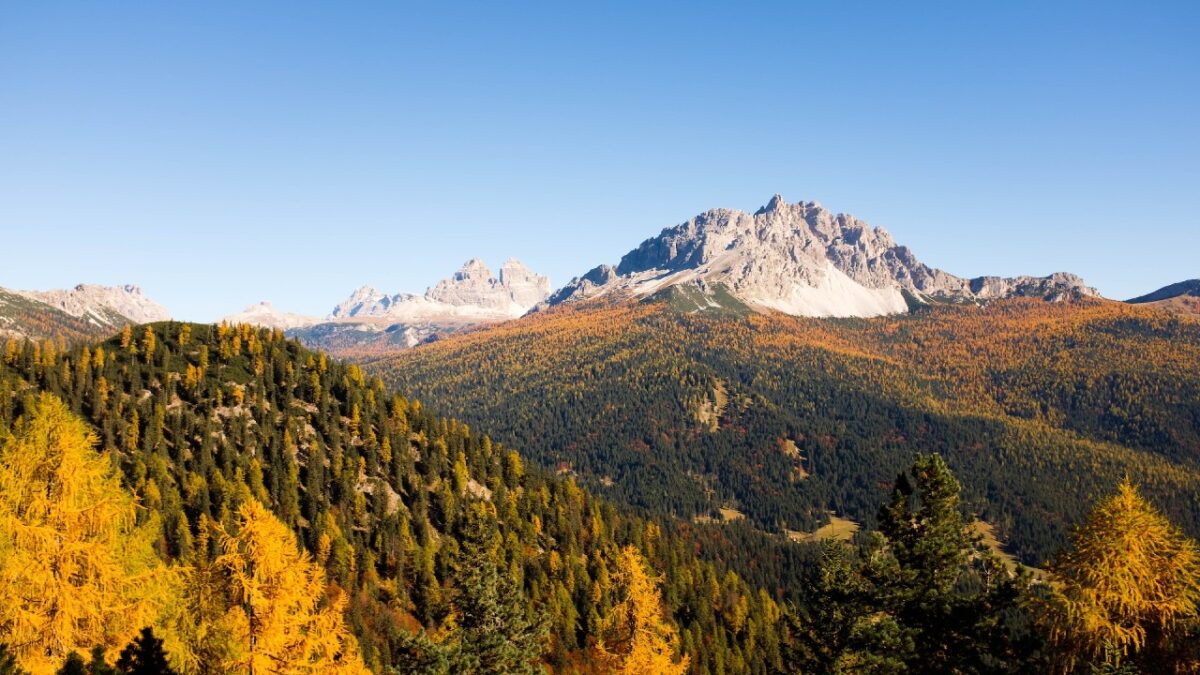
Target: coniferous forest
{"x": 218, "y": 499}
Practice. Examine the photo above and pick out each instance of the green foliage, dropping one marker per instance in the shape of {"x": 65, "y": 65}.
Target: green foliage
{"x": 922, "y": 595}
{"x": 73, "y": 665}
{"x": 143, "y": 656}
{"x": 1037, "y": 406}
{"x": 201, "y": 419}
{"x": 494, "y": 635}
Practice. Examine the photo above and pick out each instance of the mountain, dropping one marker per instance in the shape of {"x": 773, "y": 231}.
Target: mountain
{"x": 370, "y": 322}
{"x": 81, "y": 312}
{"x": 1037, "y": 406}
{"x": 388, "y": 497}
{"x": 472, "y": 294}
{"x": 799, "y": 259}
{"x": 1189, "y": 288}
{"x": 265, "y": 315}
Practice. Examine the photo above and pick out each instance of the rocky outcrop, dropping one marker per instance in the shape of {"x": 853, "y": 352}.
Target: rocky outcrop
{"x": 799, "y": 259}
{"x": 471, "y": 294}
{"x": 99, "y": 303}
{"x": 265, "y": 315}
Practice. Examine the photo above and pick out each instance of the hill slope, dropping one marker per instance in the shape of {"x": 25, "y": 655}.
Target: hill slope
{"x": 1037, "y": 406}
{"x": 1190, "y": 288}
{"x": 379, "y": 489}
{"x": 85, "y": 311}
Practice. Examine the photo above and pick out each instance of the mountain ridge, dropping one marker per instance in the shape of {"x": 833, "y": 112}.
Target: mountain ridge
{"x": 84, "y": 311}
{"x": 800, "y": 259}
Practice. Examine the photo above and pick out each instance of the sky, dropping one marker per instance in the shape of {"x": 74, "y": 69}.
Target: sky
{"x": 218, "y": 154}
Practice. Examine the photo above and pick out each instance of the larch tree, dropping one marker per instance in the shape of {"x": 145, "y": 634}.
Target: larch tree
{"x": 279, "y": 616}
{"x": 636, "y": 636}
{"x": 76, "y": 568}
{"x": 1128, "y": 585}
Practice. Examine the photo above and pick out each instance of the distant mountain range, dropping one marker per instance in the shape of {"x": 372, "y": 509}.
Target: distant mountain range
{"x": 83, "y": 311}
{"x": 1189, "y": 288}
{"x": 796, "y": 258}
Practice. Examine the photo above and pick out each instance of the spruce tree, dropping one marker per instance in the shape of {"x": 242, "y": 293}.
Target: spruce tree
{"x": 494, "y": 634}
{"x": 144, "y": 656}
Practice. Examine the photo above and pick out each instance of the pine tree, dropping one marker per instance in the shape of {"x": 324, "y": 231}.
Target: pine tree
{"x": 493, "y": 635}
{"x": 73, "y": 665}
{"x": 76, "y": 570}
{"x": 637, "y": 638}
{"x": 144, "y": 656}
{"x": 1128, "y": 586}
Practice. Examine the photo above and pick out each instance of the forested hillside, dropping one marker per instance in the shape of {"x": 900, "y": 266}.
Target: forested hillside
{"x": 1037, "y": 407}
{"x": 445, "y": 552}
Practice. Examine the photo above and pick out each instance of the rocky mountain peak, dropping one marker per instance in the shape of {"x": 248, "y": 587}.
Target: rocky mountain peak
{"x": 472, "y": 293}
{"x": 799, "y": 258}
{"x": 264, "y": 314}
{"x": 99, "y": 303}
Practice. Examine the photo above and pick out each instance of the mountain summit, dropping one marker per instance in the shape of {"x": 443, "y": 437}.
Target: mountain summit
{"x": 470, "y": 294}
{"x": 799, "y": 259}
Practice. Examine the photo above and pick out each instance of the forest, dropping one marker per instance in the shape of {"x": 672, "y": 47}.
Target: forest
{"x": 218, "y": 499}
{"x": 1037, "y": 407}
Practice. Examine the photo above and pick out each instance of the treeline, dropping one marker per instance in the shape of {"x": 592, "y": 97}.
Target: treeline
{"x": 1037, "y": 406}
{"x": 272, "y": 495}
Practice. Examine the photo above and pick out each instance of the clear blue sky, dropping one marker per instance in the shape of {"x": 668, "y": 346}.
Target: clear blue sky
{"x": 222, "y": 153}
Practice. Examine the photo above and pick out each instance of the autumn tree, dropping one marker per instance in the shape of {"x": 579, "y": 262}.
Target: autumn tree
{"x": 76, "y": 568}
{"x": 279, "y": 618}
{"x": 636, "y": 636}
{"x": 1128, "y": 586}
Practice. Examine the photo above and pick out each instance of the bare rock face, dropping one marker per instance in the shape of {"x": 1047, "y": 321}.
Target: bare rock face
{"x": 799, "y": 259}
{"x": 99, "y": 303}
{"x": 264, "y": 314}
{"x": 472, "y": 294}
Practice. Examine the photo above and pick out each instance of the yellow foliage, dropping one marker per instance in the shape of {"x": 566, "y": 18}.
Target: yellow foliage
{"x": 1130, "y": 577}
{"x": 76, "y": 570}
{"x": 279, "y": 619}
{"x": 637, "y": 638}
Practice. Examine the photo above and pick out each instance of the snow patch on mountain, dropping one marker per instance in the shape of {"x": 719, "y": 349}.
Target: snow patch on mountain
{"x": 264, "y": 314}
{"x": 799, "y": 259}
{"x": 472, "y": 294}
{"x": 98, "y": 304}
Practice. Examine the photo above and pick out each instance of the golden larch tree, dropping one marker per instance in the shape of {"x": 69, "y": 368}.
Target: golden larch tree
{"x": 76, "y": 569}
{"x": 279, "y": 618}
{"x": 636, "y": 637}
{"x": 1129, "y": 580}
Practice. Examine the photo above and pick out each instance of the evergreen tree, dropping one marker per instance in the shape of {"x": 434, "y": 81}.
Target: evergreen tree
{"x": 73, "y": 665}
{"x": 144, "y": 656}
{"x": 923, "y": 594}
{"x": 494, "y": 635}
{"x": 99, "y": 663}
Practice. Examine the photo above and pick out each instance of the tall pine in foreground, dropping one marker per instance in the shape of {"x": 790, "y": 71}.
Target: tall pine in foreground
{"x": 490, "y": 630}
{"x": 1128, "y": 591}
{"x": 923, "y": 595}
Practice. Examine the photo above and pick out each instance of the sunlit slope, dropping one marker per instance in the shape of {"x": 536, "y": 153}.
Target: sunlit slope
{"x": 1038, "y": 406}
